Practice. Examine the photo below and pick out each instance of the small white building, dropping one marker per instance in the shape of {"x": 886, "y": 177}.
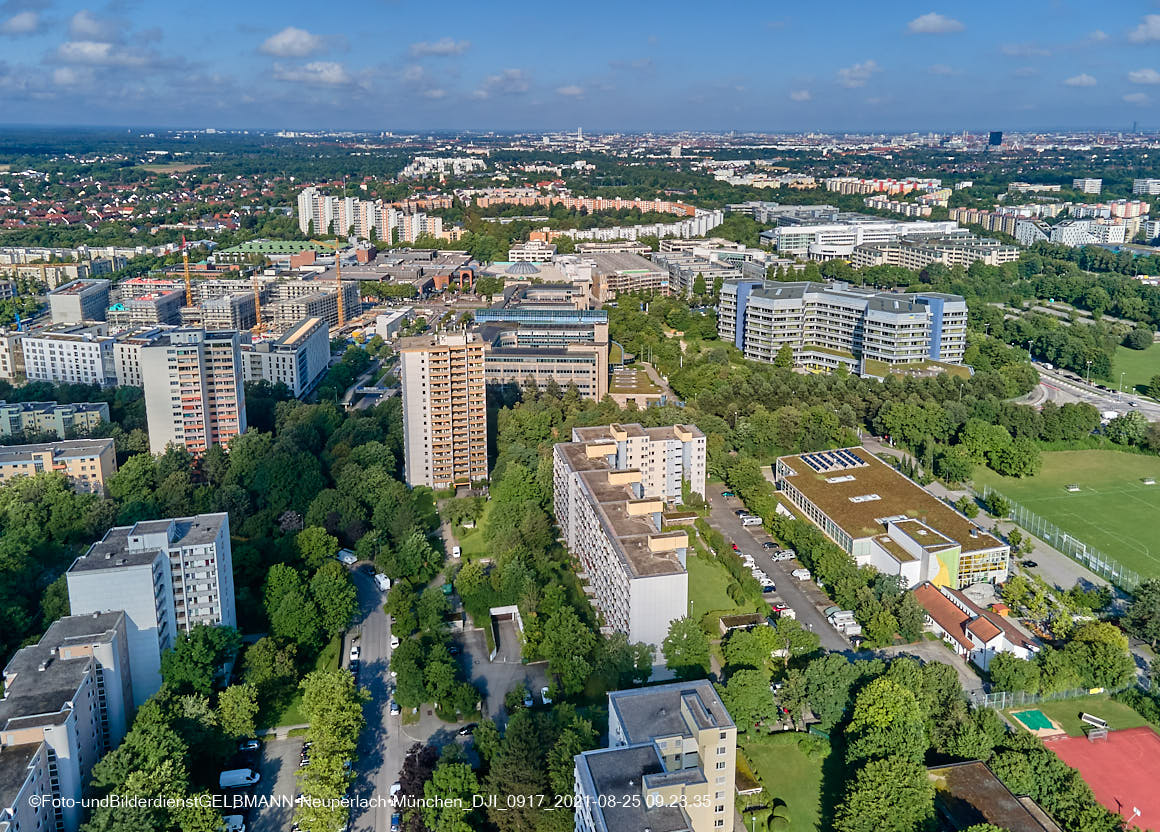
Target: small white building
{"x": 972, "y": 632}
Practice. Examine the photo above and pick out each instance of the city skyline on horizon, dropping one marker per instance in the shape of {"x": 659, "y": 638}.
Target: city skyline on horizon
{"x": 922, "y": 67}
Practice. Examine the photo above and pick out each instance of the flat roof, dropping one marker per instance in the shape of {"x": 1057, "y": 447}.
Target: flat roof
{"x": 76, "y": 287}
{"x": 837, "y": 492}
{"x": 622, "y": 261}
{"x": 617, "y": 776}
{"x": 64, "y": 449}
{"x": 647, "y": 713}
{"x": 970, "y": 793}
{"x": 14, "y": 762}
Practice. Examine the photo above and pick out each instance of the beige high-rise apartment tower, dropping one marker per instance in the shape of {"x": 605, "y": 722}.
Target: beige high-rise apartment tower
{"x": 444, "y": 409}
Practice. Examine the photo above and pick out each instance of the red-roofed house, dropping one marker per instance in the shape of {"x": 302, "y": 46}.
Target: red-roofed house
{"x": 971, "y": 631}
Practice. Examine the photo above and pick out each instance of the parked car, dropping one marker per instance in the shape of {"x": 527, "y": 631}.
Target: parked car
{"x": 249, "y": 745}
{"x": 468, "y": 729}
{"x": 355, "y": 652}
{"x": 1030, "y": 564}
{"x": 769, "y": 544}
{"x": 750, "y": 520}
{"x": 394, "y": 641}
{"x": 528, "y": 700}
{"x": 734, "y": 545}
{"x": 456, "y": 552}
{"x": 769, "y": 587}
{"x": 728, "y": 494}
{"x": 396, "y": 787}
{"x": 544, "y": 695}
{"x": 396, "y": 822}
{"x": 347, "y": 557}
{"x": 395, "y": 709}
{"x": 382, "y": 582}
{"x": 801, "y": 574}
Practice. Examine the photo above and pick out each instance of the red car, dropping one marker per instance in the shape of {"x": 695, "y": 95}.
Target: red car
{"x": 734, "y": 545}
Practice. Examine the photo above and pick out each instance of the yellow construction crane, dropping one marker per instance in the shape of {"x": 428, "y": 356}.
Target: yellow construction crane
{"x": 336, "y": 246}
{"x": 259, "y": 327}
{"x": 185, "y": 263}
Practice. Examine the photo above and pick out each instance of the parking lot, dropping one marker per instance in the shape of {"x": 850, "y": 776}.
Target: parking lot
{"x": 278, "y": 765}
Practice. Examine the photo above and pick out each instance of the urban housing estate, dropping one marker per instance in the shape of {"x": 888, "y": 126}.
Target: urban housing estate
{"x": 836, "y": 325}
{"x": 611, "y": 485}
{"x": 669, "y": 766}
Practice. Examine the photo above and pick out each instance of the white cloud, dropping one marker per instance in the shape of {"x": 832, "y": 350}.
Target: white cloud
{"x": 1144, "y": 76}
{"x": 85, "y": 26}
{"x": 858, "y": 74}
{"x": 293, "y": 42}
{"x": 942, "y": 69}
{"x": 934, "y": 23}
{"x": 1148, "y": 30}
{"x": 1137, "y": 98}
{"x": 1081, "y": 80}
{"x": 99, "y": 53}
{"x": 1025, "y": 72}
{"x": 70, "y": 76}
{"x": 508, "y": 82}
{"x": 1024, "y": 50}
{"x": 441, "y": 47}
{"x": 571, "y": 90}
{"x": 800, "y": 95}
{"x": 434, "y": 93}
{"x": 315, "y": 73}
{"x": 1097, "y": 35}
{"x": 22, "y": 23}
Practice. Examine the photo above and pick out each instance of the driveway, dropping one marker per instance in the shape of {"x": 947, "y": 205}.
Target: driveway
{"x": 496, "y": 678}
{"x": 936, "y": 651}
{"x": 278, "y": 766}
{"x": 804, "y": 597}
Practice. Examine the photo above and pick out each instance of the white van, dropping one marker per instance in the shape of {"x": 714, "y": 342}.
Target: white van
{"x": 801, "y": 574}
{"x": 456, "y": 552}
{"x": 750, "y": 520}
{"x": 382, "y": 582}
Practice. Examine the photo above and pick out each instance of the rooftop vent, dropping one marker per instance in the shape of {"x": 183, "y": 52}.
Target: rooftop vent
{"x": 865, "y": 498}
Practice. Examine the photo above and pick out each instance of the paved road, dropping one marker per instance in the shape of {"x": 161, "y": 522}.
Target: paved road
{"x": 1061, "y": 389}
{"x": 803, "y": 596}
{"x": 382, "y": 745}
{"x": 936, "y": 651}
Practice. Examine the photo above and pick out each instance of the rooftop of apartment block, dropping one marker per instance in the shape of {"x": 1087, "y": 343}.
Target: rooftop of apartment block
{"x": 861, "y": 493}
{"x": 609, "y": 433}
{"x": 114, "y": 548}
{"x": 616, "y": 774}
{"x": 77, "y": 287}
{"x": 646, "y": 713}
{"x": 38, "y": 682}
{"x": 14, "y": 762}
{"x": 64, "y": 449}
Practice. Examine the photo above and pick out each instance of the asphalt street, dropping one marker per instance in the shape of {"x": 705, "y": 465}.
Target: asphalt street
{"x": 1060, "y": 388}
{"x": 804, "y": 597}
{"x": 278, "y": 767}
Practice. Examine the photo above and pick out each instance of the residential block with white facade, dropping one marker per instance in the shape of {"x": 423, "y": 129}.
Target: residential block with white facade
{"x": 67, "y": 701}
{"x": 298, "y": 359}
{"x": 167, "y": 575}
{"x": 74, "y": 355}
{"x": 611, "y": 485}
{"x": 832, "y": 325}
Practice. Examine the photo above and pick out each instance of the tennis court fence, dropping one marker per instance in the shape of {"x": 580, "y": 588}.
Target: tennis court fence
{"x": 1003, "y": 699}
{"x": 1102, "y": 564}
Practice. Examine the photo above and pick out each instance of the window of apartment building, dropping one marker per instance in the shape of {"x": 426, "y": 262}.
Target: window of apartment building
{"x": 719, "y": 823}
{"x": 720, "y": 749}
{"x": 720, "y": 765}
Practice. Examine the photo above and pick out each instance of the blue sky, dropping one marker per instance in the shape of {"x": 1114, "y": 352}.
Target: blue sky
{"x": 407, "y": 65}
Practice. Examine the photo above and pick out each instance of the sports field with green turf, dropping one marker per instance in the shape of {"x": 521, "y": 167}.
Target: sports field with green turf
{"x": 1113, "y": 511}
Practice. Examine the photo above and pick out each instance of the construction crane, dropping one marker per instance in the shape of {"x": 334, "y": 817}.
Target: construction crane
{"x": 259, "y": 327}
{"x": 185, "y": 263}
{"x": 335, "y": 246}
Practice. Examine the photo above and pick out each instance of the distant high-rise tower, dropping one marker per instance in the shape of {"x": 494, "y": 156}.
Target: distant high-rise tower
{"x": 996, "y": 138}
{"x": 193, "y": 389}
{"x": 444, "y": 410}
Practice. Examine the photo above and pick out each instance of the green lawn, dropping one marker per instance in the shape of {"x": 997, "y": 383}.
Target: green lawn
{"x": 709, "y": 588}
{"x": 292, "y": 714}
{"x": 1140, "y": 366}
{"x": 471, "y": 540}
{"x": 1066, "y": 713}
{"x": 788, "y": 774}
{"x": 1113, "y": 511}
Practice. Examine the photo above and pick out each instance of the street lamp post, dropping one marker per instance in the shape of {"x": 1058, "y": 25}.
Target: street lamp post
{"x": 1089, "y": 371}
{"x": 1121, "y": 388}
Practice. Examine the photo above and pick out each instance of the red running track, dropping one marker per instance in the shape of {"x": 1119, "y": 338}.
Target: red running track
{"x": 1123, "y": 771}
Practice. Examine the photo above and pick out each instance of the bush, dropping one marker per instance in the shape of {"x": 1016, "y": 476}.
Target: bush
{"x": 1138, "y": 339}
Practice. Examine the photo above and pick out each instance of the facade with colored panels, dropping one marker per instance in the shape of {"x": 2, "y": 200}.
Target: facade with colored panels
{"x": 193, "y": 389}
{"x": 443, "y": 380}
{"x": 87, "y": 463}
{"x": 884, "y": 520}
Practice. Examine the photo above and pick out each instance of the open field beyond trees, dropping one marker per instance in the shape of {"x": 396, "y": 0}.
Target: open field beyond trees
{"x": 1113, "y": 511}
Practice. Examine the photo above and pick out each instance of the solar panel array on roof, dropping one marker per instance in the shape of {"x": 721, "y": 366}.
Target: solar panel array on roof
{"x": 826, "y": 461}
